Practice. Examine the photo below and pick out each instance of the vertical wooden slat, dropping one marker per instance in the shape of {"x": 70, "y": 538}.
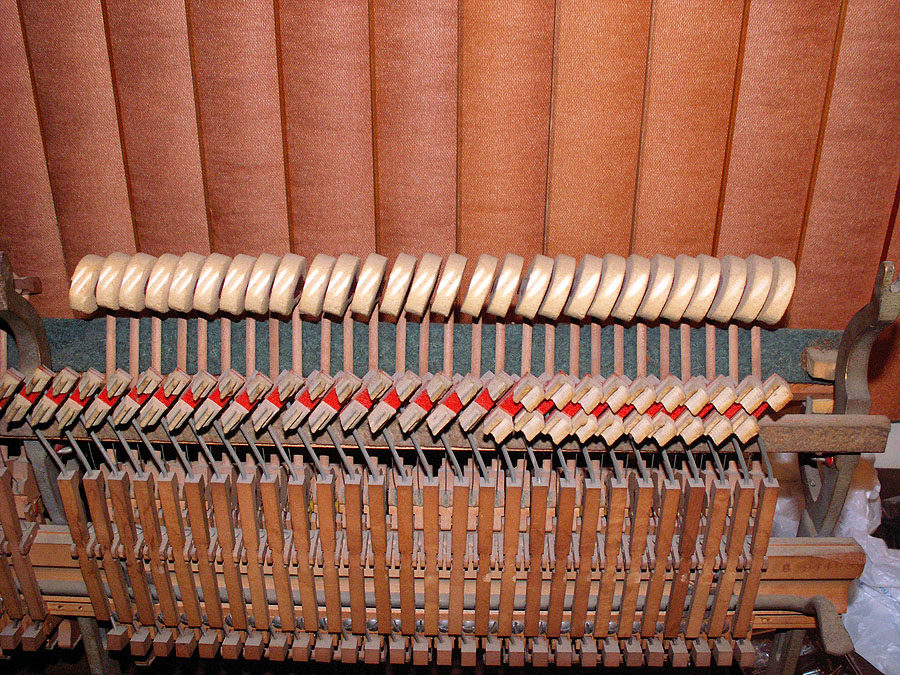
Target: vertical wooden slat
{"x": 414, "y": 58}
{"x": 234, "y": 57}
{"x": 76, "y": 106}
{"x": 857, "y": 173}
{"x": 151, "y": 66}
{"x": 693, "y": 57}
{"x": 505, "y": 67}
{"x": 784, "y": 77}
{"x": 26, "y": 202}
{"x": 328, "y": 125}
{"x": 598, "y": 92}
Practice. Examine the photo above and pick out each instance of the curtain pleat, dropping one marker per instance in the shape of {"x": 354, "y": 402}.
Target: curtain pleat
{"x": 328, "y": 115}
{"x": 693, "y": 56}
{"x": 28, "y": 232}
{"x": 77, "y": 109}
{"x": 787, "y": 59}
{"x": 414, "y": 48}
{"x": 596, "y": 126}
{"x": 858, "y": 172}
{"x": 151, "y": 68}
{"x": 236, "y": 80}
{"x": 506, "y": 52}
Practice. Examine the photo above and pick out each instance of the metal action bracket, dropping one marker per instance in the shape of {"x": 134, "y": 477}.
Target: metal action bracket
{"x": 826, "y": 483}
{"x": 23, "y": 322}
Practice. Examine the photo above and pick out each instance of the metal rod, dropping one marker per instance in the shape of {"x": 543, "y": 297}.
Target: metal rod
{"x": 424, "y": 462}
{"x": 177, "y": 446}
{"x": 478, "y": 458}
{"x": 742, "y": 462}
{"x": 304, "y": 437}
{"x": 506, "y": 460}
{"x": 340, "y": 450}
{"x": 691, "y": 463}
{"x": 77, "y": 450}
{"x": 562, "y": 465}
{"x": 46, "y": 445}
{"x": 588, "y": 463}
{"x": 397, "y": 461}
{"x": 160, "y": 464}
{"x": 720, "y": 469}
{"x": 767, "y": 464}
{"x": 110, "y": 462}
{"x": 238, "y": 464}
{"x": 281, "y": 451}
{"x": 248, "y": 436}
{"x": 366, "y": 457}
{"x": 204, "y": 448}
{"x": 456, "y": 468}
{"x": 639, "y": 460}
{"x": 667, "y": 465}
{"x": 132, "y": 455}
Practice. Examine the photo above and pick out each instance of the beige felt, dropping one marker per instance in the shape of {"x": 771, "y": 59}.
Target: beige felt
{"x": 759, "y": 281}
{"x": 610, "y": 286}
{"x": 560, "y": 285}
{"x": 784, "y": 274}
{"x": 534, "y": 286}
{"x": 110, "y": 280}
{"x": 479, "y": 285}
{"x": 368, "y": 285}
{"x": 397, "y": 286}
{"x": 204, "y": 282}
{"x": 687, "y": 269}
{"x": 134, "y": 282}
{"x": 313, "y": 297}
{"x": 732, "y": 281}
{"x": 705, "y": 289}
{"x": 448, "y": 286}
{"x": 234, "y": 288}
{"x": 584, "y": 287}
{"x": 83, "y": 288}
{"x": 662, "y": 276}
{"x": 505, "y": 285}
{"x": 259, "y": 288}
{"x": 637, "y": 276}
{"x": 157, "y": 295}
{"x": 423, "y": 284}
{"x": 287, "y": 284}
{"x": 343, "y": 277}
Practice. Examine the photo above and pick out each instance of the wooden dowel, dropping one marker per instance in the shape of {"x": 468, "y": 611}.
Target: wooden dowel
{"x": 202, "y": 343}
{"x": 527, "y": 340}
{"x": 110, "y": 345}
{"x": 134, "y": 346}
{"x": 274, "y": 355}
{"x": 733, "y": 352}
{"x": 348, "y": 342}
{"x": 296, "y": 342}
{"x": 476, "y": 348}
{"x": 549, "y": 348}
{"x": 226, "y": 343}
{"x": 756, "y": 352}
{"x": 400, "y": 350}
{"x": 619, "y": 349}
{"x": 156, "y": 343}
{"x": 663, "y": 350}
{"x": 448, "y": 345}
{"x": 710, "y": 351}
{"x": 685, "y": 331}
{"x": 424, "y": 341}
{"x": 373, "y": 339}
{"x": 181, "y": 343}
{"x": 574, "y": 349}
{"x": 596, "y": 352}
{"x": 325, "y": 345}
{"x": 249, "y": 346}
{"x": 641, "y": 350}
{"x": 500, "y": 348}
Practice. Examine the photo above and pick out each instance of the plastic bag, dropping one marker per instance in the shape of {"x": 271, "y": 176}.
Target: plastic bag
{"x": 873, "y": 614}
